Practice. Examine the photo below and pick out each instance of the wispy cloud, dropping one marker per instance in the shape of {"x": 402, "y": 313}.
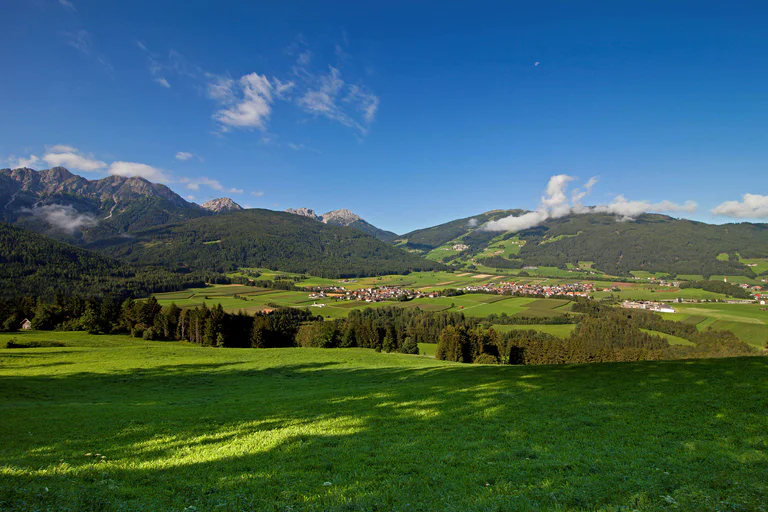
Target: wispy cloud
{"x": 257, "y": 193}
{"x": 156, "y": 68}
{"x": 751, "y": 206}
{"x": 184, "y": 156}
{"x": 328, "y": 95}
{"x": 67, "y": 5}
{"x": 248, "y": 102}
{"x": 555, "y": 204}
{"x": 81, "y": 40}
{"x": 194, "y": 184}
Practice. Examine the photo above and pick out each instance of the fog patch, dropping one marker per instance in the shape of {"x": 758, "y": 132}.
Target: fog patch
{"x": 62, "y": 217}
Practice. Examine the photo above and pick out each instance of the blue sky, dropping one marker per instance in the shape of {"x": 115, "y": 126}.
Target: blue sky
{"x": 408, "y": 113}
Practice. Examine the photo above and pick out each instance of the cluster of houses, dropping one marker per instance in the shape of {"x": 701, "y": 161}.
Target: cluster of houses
{"x": 512, "y": 288}
{"x": 383, "y": 293}
{"x": 658, "y": 307}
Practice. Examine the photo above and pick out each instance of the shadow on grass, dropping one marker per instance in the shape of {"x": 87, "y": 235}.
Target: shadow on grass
{"x": 325, "y": 436}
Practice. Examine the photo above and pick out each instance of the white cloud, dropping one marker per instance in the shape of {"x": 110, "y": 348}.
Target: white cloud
{"x": 194, "y": 184}
{"x": 257, "y": 193}
{"x": 536, "y": 64}
{"x": 23, "y": 162}
{"x": 131, "y": 169}
{"x": 554, "y": 204}
{"x": 64, "y": 218}
{"x": 60, "y": 148}
{"x": 183, "y": 155}
{"x": 248, "y": 101}
{"x": 74, "y": 161}
{"x": 163, "y": 82}
{"x": 628, "y": 210}
{"x": 472, "y": 223}
{"x": 751, "y": 206}
{"x": 67, "y": 5}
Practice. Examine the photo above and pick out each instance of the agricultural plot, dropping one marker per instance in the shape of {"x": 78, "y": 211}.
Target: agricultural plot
{"x": 658, "y": 293}
{"x": 166, "y": 426}
{"x": 747, "y": 321}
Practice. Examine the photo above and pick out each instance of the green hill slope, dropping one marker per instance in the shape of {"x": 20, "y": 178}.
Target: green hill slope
{"x": 265, "y": 238}
{"x": 35, "y": 265}
{"x": 435, "y": 236}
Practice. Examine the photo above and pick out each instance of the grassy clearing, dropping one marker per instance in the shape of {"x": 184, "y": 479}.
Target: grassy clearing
{"x": 177, "y": 426}
{"x": 561, "y": 331}
{"x": 673, "y": 340}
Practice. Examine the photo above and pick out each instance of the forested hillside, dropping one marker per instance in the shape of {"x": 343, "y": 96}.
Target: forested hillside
{"x": 655, "y": 243}
{"x": 34, "y": 265}
{"x": 264, "y": 238}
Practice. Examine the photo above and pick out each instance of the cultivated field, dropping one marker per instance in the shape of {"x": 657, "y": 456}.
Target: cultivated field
{"x": 251, "y": 299}
{"x": 114, "y": 423}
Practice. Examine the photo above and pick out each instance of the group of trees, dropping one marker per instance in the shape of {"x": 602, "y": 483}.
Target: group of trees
{"x": 603, "y": 333}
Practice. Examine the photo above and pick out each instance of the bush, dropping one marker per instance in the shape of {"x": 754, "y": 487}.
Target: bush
{"x": 486, "y": 358}
{"x": 409, "y": 346}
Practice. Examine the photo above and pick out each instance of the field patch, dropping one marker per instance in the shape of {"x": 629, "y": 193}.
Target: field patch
{"x": 100, "y": 426}
{"x": 561, "y": 331}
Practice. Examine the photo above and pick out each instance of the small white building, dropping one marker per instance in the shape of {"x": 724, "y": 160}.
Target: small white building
{"x": 26, "y": 325}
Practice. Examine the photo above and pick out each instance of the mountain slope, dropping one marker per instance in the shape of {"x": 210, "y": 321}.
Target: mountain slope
{"x": 430, "y": 238}
{"x": 35, "y": 265}
{"x": 264, "y": 238}
{"x": 344, "y": 217}
{"x": 69, "y": 207}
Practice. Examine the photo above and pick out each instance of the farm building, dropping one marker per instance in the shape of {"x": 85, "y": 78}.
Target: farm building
{"x": 26, "y": 325}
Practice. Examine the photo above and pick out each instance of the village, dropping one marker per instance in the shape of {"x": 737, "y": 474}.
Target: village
{"x": 396, "y": 293}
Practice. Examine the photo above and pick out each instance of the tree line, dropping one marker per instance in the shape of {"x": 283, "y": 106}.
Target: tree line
{"x": 603, "y": 333}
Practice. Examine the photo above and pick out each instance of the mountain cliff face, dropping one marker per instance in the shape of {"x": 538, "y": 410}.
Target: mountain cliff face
{"x": 344, "y": 217}
{"x": 69, "y": 207}
{"x": 221, "y": 205}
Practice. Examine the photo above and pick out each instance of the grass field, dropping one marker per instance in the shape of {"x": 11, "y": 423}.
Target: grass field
{"x": 122, "y": 424}
{"x": 254, "y": 299}
{"x": 561, "y": 331}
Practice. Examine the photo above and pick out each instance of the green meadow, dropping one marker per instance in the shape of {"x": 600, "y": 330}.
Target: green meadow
{"x": 114, "y": 423}
{"x": 747, "y": 321}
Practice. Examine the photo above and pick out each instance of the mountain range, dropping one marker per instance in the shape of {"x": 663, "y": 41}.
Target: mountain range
{"x": 144, "y": 224}
{"x": 344, "y": 217}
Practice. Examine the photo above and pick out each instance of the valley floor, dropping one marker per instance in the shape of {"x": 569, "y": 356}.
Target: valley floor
{"x": 116, "y": 423}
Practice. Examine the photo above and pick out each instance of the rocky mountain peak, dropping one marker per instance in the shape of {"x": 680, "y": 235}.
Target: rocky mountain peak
{"x": 342, "y": 216}
{"x": 221, "y": 205}
{"x": 305, "y": 212}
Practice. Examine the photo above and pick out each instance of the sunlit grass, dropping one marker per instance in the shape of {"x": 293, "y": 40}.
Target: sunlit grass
{"x": 133, "y": 425}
